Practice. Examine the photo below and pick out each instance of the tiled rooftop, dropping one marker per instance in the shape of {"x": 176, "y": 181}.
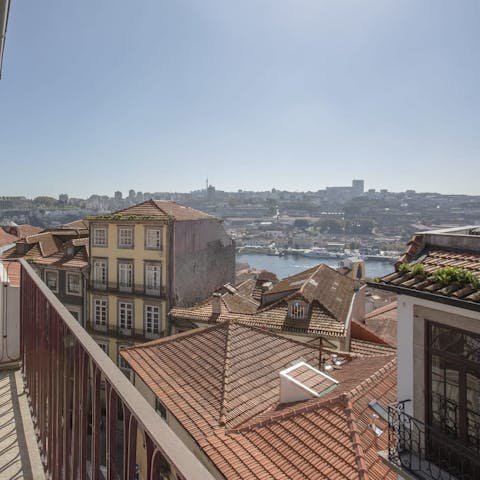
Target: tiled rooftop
{"x": 157, "y": 210}
{"x": 329, "y": 293}
{"x": 48, "y": 248}
{"x": 433, "y": 251}
{"x": 383, "y": 322}
{"x": 222, "y": 385}
{"x": 12, "y": 270}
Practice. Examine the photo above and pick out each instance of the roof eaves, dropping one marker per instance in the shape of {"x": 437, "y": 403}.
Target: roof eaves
{"x": 433, "y": 297}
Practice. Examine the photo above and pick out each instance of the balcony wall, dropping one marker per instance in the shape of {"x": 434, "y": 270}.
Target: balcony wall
{"x": 67, "y": 379}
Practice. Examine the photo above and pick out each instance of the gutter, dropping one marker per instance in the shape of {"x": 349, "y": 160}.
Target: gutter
{"x": 4, "y": 11}
{"x": 454, "y": 302}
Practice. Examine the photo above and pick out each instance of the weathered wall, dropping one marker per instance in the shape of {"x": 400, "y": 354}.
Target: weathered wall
{"x": 204, "y": 260}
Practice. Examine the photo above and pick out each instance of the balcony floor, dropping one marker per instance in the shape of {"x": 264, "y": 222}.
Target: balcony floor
{"x": 19, "y": 455}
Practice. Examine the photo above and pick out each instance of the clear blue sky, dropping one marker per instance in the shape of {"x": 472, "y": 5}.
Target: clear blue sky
{"x": 293, "y": 94}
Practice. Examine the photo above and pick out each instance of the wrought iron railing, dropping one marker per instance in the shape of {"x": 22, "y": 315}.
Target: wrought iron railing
{"x": 82, "y": 429}
{"x": 426, "y": 452}
{"x": 135, "y": 289}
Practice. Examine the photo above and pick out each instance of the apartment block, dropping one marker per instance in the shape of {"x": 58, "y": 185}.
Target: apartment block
{"x": 144, "y": 260}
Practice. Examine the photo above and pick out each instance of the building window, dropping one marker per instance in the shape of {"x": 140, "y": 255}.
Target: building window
{"x": 99, "y": 237}
{"x": 125, "y": 237}
{"x": 153, "y": 278}
{"x": 103, "y": 346}
{"x": 298, "y": 310}
{"x": 152, "y": 321}
{"x": 125, "y": 317}
{"x": 125, "y": 276}
{"x": 51, "y": 279}
{"x": 153, "y": 238}
{"x": 74, "y": 284}
{"x": 453, "y": 368}
{"x": 99, "y": 273}
{"x": 160, "y": 409}
{"x": 100, "y": 313}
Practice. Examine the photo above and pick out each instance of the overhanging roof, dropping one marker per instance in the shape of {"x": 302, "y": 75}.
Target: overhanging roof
{"x": 4, "y": 9}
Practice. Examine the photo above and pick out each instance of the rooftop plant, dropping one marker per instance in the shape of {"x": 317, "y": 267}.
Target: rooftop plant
{"x": 456, "y": 274}
{"x": 418, "y": 269}
{"x": 445, "y": 275}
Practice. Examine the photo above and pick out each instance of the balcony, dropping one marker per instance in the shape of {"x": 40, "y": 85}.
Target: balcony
{"x": 136, "y": 334}
{"x": 82, "y": 430}
{"x": 138, "y": 290}
{"x": 418, "y": 451}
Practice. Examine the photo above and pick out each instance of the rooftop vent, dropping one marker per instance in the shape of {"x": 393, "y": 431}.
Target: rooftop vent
{"x": 302, "y": 382}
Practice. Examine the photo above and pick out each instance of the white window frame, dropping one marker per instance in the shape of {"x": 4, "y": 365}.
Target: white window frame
{"x": 125, "y": 237}
{"x": 100, "y": 306}
{"x": 125, "y": 276}
{"x": 126, "y": 310}
{"x": 55, "y": 273}
{"x": 100, "y": 240}
{"x": 67, "y": 283}
{"x": 101, "y": 283}
{"x": 153, "y": 238}
{"x": 153, "y": 278}
{"x": 149, "y": 320}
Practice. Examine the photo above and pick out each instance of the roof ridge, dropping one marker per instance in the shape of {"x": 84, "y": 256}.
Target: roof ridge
{"x": 225, "y": 376}
{"x": 309, "y": 278}
{"x": 171, "y": 338}
{"x": 355, "y": 439}
{"x": 377, "y": 374}
{"x": 291, "y": 412}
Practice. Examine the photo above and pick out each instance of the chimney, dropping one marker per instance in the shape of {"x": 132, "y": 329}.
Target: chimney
{"x": 216, "y": 304}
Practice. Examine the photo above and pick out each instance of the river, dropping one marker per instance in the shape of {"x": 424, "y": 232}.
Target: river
{"x": 291, "y": 264}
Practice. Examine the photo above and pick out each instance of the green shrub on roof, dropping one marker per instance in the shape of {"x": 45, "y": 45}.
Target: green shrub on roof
{"x": 448, "y": 275}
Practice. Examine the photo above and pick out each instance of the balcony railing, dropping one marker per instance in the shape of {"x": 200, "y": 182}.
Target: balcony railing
{"x": 138, "y": 334}
{"x": 425, "y": 452}
{"x": 64, "y": 370}
{"x": 120, "y": 289}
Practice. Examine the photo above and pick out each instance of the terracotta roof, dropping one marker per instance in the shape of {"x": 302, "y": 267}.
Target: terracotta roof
{"x": 159, "y": 210}
{"x": 222, "y": 384}
{"x": 367, "y": 349}
{"x": 432, "y": 260}
{"x": 22, "y": 231}
{"x": 12, "y": 269}
{"x": 359, "y": 331}
{"x": 329, "y": 294}
{"x": 47, "y": 249}
{"x": 383, "y": 322}
{"x": 6, "y": 238}
{"x": 76, "y": 224}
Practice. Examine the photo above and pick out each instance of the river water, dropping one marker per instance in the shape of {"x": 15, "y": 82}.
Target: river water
{"x": 291, "y": 264}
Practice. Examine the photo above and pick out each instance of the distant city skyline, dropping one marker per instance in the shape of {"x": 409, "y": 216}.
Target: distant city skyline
{"x": 125, "y": 191}
{"x": 260, "y": 94}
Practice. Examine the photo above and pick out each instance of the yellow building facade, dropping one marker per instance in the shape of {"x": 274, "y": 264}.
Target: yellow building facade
{"x": 128, "y": 282}
{"x": 144, "y": 260}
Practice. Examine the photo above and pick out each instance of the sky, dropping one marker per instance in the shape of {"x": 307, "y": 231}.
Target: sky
{"x": 154, "y": 95}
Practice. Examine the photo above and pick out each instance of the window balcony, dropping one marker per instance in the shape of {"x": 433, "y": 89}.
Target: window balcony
{"x": 138, "y": 290}
{"x": 85, "y": 412}
{"x": 418, "y": 451}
